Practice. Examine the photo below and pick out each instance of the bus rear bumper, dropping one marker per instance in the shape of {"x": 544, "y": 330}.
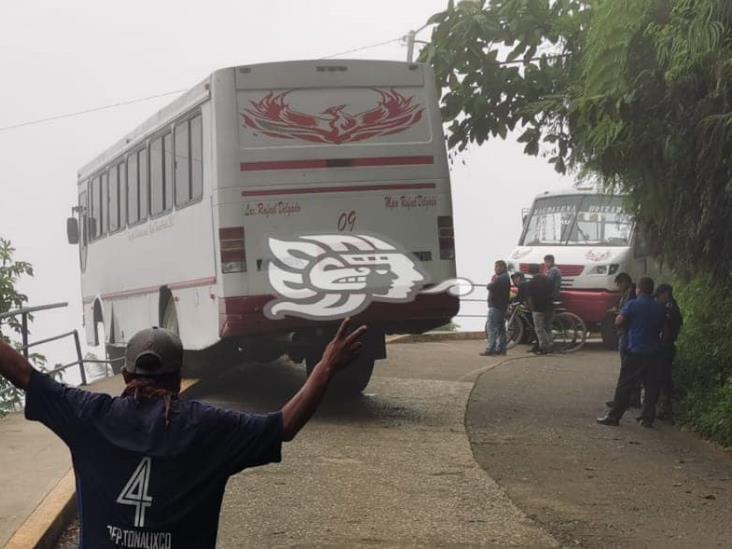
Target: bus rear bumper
{"x": 590, "y": 305}
{"x": 244, "y": 316}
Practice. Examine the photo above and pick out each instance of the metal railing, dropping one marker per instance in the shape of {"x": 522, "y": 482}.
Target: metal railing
{"x": 80, "y": 361}
{"x": 483, "y": 300}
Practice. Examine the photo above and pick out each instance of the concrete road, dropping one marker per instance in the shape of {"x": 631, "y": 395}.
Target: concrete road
{"x": 532, "y": 427}
{"x": 393, "y": 468}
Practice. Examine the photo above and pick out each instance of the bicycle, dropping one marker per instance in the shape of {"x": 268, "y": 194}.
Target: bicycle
{"x": 569, "y": 332}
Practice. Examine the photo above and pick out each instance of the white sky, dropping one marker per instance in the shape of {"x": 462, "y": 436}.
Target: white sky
{"x": 58, "y": 57}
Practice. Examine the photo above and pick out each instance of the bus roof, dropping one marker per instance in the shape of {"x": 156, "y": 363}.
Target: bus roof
{"x": 574, "y": 192}
{"x": 267, "y": 74}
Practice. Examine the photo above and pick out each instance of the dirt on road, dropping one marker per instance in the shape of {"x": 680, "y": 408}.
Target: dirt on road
{"x": 532, "y": 427}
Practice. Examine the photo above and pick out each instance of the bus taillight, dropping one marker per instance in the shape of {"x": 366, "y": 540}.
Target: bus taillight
{"x": 446, "y": 237}
{"x": 233, "y": 255}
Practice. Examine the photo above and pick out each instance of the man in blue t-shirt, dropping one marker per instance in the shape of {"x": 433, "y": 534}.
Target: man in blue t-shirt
{"x": 643, "y": 319}
{"x": 151, "y": 469}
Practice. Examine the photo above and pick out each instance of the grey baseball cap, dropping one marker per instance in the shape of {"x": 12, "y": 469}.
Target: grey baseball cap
{"x": 154, "y": 351}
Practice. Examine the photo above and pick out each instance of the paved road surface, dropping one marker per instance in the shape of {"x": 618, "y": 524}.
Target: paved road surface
{"x": 532, "y": 428}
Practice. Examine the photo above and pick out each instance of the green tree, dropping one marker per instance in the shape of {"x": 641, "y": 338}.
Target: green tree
{"x": 11, "y": 272}
{"x": 636, "y": 92}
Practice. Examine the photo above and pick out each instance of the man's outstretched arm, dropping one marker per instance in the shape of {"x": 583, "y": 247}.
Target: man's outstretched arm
{"x": 14, "y": 367}
{"x": 339, "y": 352}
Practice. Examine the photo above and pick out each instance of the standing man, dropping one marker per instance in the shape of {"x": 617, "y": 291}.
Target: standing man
{"x": 643, "y": 318}
{"x": 626, "y": 289}
{"x": 499, "y": 293}
{"x": 540, "y": 296}
{"x": 554, "y": 274}
{"x": 519, "y": 281}
{"x": 150, "y": 468}
{"x": 671, "y": 329}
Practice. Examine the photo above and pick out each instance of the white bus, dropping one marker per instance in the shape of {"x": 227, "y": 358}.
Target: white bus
{"x": 171, "y": 220}
{"x": 592, "y": 240}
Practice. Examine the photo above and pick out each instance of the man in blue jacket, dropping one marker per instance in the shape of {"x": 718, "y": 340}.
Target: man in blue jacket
{"x": 643, "y": 319}
{"x": 151, "y": 469}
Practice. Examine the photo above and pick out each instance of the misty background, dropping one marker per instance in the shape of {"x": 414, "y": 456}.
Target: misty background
{"x": 62, "y": 57}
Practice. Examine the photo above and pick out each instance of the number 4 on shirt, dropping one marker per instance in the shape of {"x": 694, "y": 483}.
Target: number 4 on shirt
{"x": 135, "y": 492}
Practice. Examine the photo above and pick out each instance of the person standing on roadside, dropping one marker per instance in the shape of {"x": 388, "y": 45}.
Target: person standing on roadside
{"x": 554, "y": 275}
{"x": 499, "y": 293}
{"x": 540, "y": 290}
{"x": 643, "y": 319}
{"x": 519, "y": 281}
{"x": 671, "y": 328}
{"x": 626, "y": 288}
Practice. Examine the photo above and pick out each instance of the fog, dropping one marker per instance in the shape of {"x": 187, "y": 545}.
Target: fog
{"x": 60, "y": 57}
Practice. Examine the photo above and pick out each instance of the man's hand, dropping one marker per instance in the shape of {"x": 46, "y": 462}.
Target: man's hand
{"x": 341, "y": 350}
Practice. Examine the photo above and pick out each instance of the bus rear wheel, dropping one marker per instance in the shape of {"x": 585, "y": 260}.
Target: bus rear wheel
{"x": 351, "y": 380}
{"x": 169, "y": 318}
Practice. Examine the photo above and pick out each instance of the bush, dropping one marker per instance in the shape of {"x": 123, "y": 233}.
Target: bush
{"x": 703, "y": 368}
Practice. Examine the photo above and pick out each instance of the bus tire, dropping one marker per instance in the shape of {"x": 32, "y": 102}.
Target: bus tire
{"x": 169, "y": 314}
{"x": 115, "y": 353}
{"x": 351, "y": 380}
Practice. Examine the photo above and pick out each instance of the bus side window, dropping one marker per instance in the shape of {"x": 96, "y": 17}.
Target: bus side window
{"x": 144, "y": 189}
{"x": 113, "y": 199}
{"x": 93, "y": 207}
{"x": 168, "y": 194}
{"x": 104, "y": 217}
{"x": 196, "y": 158}
{"x": 188, "y": 161}
{"x": 122, "y": 175}
{"x": 157, "y": 193}
{"x": 182, "y": 164}
{"x": 133, "y": 197}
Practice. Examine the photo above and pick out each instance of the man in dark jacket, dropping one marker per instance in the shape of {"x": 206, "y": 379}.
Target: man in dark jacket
{"x": 554, "y": 275}
{"x": 499, "y": 293}
{"x": 671, "y": 329}
{"x": 540, "y": 290}
{"x": 151, "y": 468}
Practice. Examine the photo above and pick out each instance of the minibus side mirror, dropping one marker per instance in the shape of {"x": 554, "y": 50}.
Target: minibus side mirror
{"x": 72, "y": 230}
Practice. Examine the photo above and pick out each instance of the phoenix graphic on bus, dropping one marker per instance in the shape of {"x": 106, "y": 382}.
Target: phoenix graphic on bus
{"x": 273, "y": 116}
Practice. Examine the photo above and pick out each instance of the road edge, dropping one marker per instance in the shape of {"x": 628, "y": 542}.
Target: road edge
{"x": 57, "y": 509}
{"x": 435, "y": 336}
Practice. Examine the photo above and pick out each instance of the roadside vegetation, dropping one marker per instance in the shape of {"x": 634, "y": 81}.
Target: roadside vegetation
{"x": 634, "y": 94}
{"x": 11, "y": 271}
